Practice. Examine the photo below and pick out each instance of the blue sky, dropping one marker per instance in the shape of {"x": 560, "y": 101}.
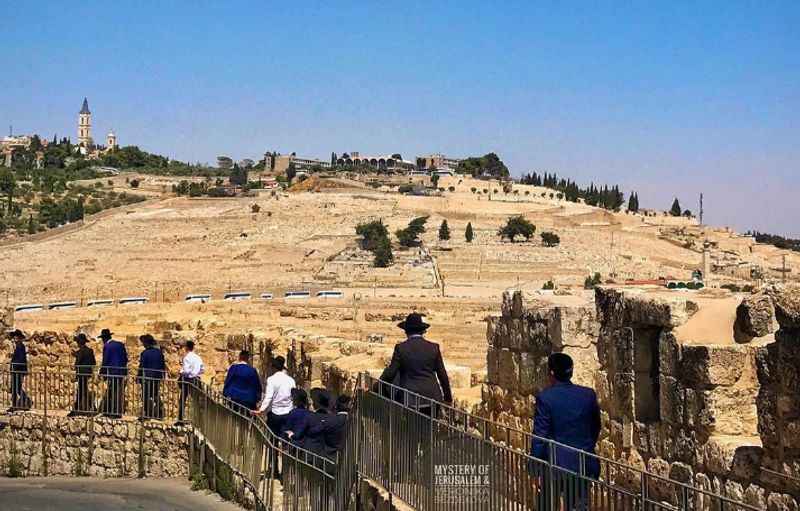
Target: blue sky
{"x": 668, "y": 99}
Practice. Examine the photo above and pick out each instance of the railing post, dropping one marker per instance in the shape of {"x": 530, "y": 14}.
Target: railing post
{"x": 44, "y": 424}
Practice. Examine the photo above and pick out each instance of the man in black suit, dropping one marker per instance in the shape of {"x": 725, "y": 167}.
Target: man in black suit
{"x": 19, "y": 368}
{"x": 84, "y": 367}
{"x": 419, "y": 367}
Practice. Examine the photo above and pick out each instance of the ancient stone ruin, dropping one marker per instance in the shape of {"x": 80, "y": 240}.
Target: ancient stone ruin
{"x": 699, "y": 388}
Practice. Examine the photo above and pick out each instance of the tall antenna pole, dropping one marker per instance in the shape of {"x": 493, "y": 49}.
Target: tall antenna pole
{"x": 701, "y": 208}
{"x": 783, "y": 272}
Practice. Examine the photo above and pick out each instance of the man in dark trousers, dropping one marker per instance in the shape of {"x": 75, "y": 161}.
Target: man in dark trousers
{"x": 151, "y": 371}
{"x": 242, "y": 384}
{"x": 84, "y": 366}
{"x": 419, "y": 367}
{"x": 19, "y": 368}
{"x": 114, "y": 368}
{"x": 568, "y": 414}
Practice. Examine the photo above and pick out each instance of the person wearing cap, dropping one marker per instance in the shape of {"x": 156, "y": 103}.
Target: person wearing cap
{"x": 114, "y": 368}
{"x": 277, "y": 400}
{"x": 568, "y": 414}
{"x": 84, "y": 366}
{"x": 419, "y": 367}
{"x": 151, "y": 371}
{"x": 191, "y": 369}
{"x": 19, "y": 368}
{"x": 242, "y": 384}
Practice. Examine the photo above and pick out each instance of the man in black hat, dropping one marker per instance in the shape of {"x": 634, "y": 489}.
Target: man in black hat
{"x": 84, "y": 366}
{"x": 114, "y": 368}
{"x": 419, "y": 367}
{"x": 151, "y": 371}
{"x": 19, "y": 368}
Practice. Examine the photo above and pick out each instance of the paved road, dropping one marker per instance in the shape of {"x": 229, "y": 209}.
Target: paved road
{"x": 88, "y": 494}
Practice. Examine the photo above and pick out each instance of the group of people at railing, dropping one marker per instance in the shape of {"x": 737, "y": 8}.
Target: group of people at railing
{"x": 114, "y": 370}
{"x": 565, "y": 413}
{"x": 286, "y": 406}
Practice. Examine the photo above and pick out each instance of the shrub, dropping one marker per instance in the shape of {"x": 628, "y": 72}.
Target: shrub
{"x": 468, "y": 234}
{"x": 517, "y": 226}
{"x": 444, "y": 231}
{"x": 681, "y": 285}
{"x": 549, "y": 285}
{"x": 451, "y": 188}
{"x": 405, "y": 188}
{"x": 134, "y": 183}
{"x": 255, "y": 208}
{"x": 550, "y": 239}
{"x": 383, "y": 253}
{"x": 473, "y": 189}
{"x": 593, "y": 281}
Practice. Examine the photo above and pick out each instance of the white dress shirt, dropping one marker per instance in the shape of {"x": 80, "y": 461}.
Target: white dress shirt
{"x": 278, "y": 396}
{"x": 192, "y": 365}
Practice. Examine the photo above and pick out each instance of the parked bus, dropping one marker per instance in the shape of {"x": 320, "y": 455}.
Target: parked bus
{"x": 99, "y": 303}
{"x": 236, "y": 296}
{"x": 297, "y": 295}
{"x": 61, "y": 305}
{"x": 198, "y": 298}
{"x": 33, "y": 307}
{"x": 133, "y": 300}
{"x": 329, "y": 294}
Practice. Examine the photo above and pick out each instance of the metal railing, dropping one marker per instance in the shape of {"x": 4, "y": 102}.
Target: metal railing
{"x": 428, "y": 454}
{"x": 435, "y": 457}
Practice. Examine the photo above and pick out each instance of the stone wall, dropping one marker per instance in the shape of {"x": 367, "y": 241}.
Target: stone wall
{"x": 713, "y": 415}
{"x": 74, "y": 446}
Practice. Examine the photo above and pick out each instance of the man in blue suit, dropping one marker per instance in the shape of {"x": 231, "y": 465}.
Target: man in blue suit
{"x": 568, "y": 414}
{"x": 151, "y": 371}
{"x": 19, "y": 368}
{"x": 242, "y": 384}
{"x": 114, "y": 368}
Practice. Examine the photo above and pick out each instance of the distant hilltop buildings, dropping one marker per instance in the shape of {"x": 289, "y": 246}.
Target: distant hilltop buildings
{"x": 86, "y": 145}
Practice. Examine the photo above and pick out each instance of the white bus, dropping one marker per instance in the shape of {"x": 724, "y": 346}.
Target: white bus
{"x": 236, "y": 296}
{"x": 133, "y": 300}
{"x": 297, "y": 295}
{"x": 61, "y": 305}
{"x": 330, "y": 294}
{"x": 198, "y": 298}
{"x": 33, "y": 307}
{"x": 99, "y": 303}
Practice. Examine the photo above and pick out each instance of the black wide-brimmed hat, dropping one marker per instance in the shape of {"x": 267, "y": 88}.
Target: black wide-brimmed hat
{"x": 105, "y": 334}
{"x": 16, "y": 334}
{"x": 147, "y": 339}
{"x": 81, "y": 338}
{"x": 413, "y": 323}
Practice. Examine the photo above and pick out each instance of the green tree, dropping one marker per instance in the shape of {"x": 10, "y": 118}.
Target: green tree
{"x": 517, "y": 226}
{"x": 408, "y": 237}
{"x": 488, "y": 165}
{"x": 291, "y": 171}
{"x": 383, "y": 253}
{"x": 8, "y": 184}
{"x": 32, "y": 227}
{"x": 549, "y": 285}
{"x": 468, "y": 234}
{"x": 550, "y": 239}
{"x": 675, "y": 210}
{"x": 444, "y": 231}
{"x": 592, "y": 281}
{"x": 372, "y": 233}
{"x": 633, "y": 203}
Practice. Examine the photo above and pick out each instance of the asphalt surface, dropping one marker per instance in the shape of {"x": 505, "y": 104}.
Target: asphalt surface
{"x": 89, "y": 494}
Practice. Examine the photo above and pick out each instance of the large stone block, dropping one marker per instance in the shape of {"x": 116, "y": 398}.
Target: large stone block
{"x": 703, "y": 366}
{"x": 508, "y": 369}
{"x": 669, "y": 353}
{"x": 671, "y": 400}
{"x": 787, "y": 307}
{"x": 755, "y": 317}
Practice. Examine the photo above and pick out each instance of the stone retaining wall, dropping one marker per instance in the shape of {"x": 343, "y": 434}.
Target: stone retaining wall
{"x": 34, "y": 445}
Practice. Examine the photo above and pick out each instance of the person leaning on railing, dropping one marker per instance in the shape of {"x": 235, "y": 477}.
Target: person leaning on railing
{"x": 192, "y": 368}
{"x": 568, "y": 414}
{"x": 84, "y": 366}
{"x": 242, "y": 384}
{"x": 19, "y": 368}
{"x": 114, "y": 368}
{"x": 151, "y": 371}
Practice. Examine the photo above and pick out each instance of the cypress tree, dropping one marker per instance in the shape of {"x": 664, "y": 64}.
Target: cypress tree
{"x": 675, "y": 210}
{"x": 444, "y": 231}
{"x": 468, "y": 234}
